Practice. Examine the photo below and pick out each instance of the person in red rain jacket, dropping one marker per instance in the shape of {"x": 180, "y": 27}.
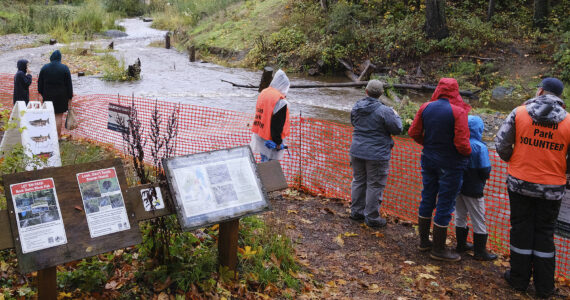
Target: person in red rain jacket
{"x": 440, "y": 125}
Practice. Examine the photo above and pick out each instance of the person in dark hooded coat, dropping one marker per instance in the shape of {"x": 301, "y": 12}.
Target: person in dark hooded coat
{"x": 54, "y": 84}
{"x": 22, "y": 81}
{"x": 374, "y": 124}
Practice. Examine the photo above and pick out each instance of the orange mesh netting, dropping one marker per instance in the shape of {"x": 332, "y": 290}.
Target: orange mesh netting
{"x": 317, "y": 161}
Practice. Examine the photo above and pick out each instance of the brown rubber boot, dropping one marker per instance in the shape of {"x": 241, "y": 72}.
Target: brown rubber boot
{"x": 461, "y": 234}
{"x": 438, "y": 250}
{"x": 481, "y": 253}
{"x": 424, "y": 225}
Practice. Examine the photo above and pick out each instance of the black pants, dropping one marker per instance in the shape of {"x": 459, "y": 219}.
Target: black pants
{"x": 532, "y": 241}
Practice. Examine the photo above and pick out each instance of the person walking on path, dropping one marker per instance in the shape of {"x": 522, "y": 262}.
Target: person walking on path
{"x": 374, "y": 124}
{"x": 440, "y": 125}
{"x": 22, "y": 82}
{"x": 534, "y": 141}
{"x": 54, "y": 84}
{"x": 470, "y": 199}
{"x": 271, "y": 124}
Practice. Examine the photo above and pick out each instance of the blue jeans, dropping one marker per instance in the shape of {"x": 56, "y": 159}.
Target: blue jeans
{"x": 441, "y": 187}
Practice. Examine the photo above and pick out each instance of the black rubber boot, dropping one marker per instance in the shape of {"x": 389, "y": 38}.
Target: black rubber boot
{"x": 438, "y": 250}
{"x": 461, "y": 234}
{"x": 480, "y": 241}
{"x": 424, "y": 226}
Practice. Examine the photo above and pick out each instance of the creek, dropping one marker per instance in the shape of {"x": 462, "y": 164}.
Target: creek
{"x": 167, "y": 75}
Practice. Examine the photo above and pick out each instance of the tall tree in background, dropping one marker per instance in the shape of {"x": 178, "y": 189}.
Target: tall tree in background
{"x": 491, "y": 10}
{"x": 435, "y": 20}
{"x": 541, "y": 9}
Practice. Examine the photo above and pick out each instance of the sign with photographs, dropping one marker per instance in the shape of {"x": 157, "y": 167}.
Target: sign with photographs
{"x": 38, "y": 215}
{"x": 89, "y": 201}
{"x": 103, "y": 202}
{"x": 36, "y": 131}
{"x": 216, "y": 186}
{"x": 118, "y": 117}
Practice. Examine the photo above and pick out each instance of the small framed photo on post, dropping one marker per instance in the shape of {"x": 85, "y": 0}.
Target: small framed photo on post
{"x": 216, "y": 186}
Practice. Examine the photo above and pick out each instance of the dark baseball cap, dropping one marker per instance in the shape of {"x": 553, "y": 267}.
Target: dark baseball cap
{"x": 552, "y": 85}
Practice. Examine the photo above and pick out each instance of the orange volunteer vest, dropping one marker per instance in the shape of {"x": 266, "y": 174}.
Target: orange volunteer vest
{"x": 539, "y": 155}
{"x": 264, "y": 110}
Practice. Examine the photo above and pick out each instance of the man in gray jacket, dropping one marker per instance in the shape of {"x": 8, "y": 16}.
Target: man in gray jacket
{"x": 374, "y": 124}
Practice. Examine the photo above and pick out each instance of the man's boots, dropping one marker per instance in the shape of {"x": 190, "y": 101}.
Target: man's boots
{"x": 480, "y": 241}
{"x": 461, "y": 235}
{"x": 438, "y": 250}
{"x": 424, "y": 226}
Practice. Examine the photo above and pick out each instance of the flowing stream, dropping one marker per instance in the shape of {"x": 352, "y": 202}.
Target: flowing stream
{"x": 167, "y": 75}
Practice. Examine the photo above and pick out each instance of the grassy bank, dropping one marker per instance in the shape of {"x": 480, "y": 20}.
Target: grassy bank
{"x": 64, "y": 22}
{"x": 300, "y": 35}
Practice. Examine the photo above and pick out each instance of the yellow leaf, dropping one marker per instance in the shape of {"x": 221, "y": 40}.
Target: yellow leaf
{"x": 61, "y": 295}
{"x": 374, "y": 288}
{"x": 290, "y": 226}
{"x": 431, "y": 269}
{"x": 341, "y": 281}
{"x": 378, "y": 234}
{"x": 463, "y": 286}
{"x": 292, "y": 211}
{"x": 331, "y": 283}
{"x": 1, "y": 296}
{"x": 4, "y": 266}
{"x": 349, "y": 234}
{"x": 426, "y": 276}
{"x": 306, "y": 221}
{"x": 338, "y": 239}
{"x": 247, "y": 252}
{"x": 215, "y": 227}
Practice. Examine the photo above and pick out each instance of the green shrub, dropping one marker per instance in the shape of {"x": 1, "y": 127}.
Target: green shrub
{"x": 562, "y": 58}
{"x": 129, "y": 8}
{"x": 287, "y": 39}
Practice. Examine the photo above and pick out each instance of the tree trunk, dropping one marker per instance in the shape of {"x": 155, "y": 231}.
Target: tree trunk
{"x": 490, "y": 10}
{"x": 435, "y": 20}
{"x": 540, "y": 13}
{"x": 324, "y": 5}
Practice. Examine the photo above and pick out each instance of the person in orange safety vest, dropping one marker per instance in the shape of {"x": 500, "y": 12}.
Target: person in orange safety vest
{"x": 534, "y": 141}
{"x": 271, "y": 124}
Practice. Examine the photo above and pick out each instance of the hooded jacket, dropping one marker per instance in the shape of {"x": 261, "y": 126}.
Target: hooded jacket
{"x": 54, "y": 83}
{"x": 547, "y": 116}
{"x": 374, "y": 124}
{"x": 440, "y": 125}
{"x": 479, "y": 167}
{"x": 22, "y": 82}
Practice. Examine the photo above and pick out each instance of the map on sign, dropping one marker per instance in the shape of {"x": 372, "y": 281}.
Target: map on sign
{"x": 103, "y": 202}
{"x": 215, "y": 186}
{"x": 38, "y": 215}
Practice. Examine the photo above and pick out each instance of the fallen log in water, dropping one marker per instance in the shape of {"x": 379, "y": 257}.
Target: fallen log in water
{"x": 421, "y": 87}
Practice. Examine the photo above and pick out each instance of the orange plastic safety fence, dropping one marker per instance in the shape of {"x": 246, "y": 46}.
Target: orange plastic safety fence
{"x": 317, "y": 161}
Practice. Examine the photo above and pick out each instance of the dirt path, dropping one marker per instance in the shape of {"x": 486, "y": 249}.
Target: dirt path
{"x": 351, "y": 261}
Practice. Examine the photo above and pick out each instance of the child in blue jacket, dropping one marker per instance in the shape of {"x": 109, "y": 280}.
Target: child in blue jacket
{"x": 470, "y": 199}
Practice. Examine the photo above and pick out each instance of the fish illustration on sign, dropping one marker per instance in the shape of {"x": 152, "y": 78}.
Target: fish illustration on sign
{"x": 40, "y": 138}
{"x": 45, "y": 154}
{"x": 39, "y": 122}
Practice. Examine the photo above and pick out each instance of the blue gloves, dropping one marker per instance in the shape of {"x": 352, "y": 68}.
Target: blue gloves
{"x": 271, "y": 145}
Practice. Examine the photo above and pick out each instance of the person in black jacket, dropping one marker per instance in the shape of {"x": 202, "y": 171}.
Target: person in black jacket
{"x": 54, "y": 84}
{"x": 470, "y": 199}
{"x": 22, "y": 81}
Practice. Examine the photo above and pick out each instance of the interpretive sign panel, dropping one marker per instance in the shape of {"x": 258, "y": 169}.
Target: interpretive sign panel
{"x": 38, "y": 215}
{"x": 76, "y": 241}
{"x": 215, "y": 186}
{"x": 118, "y": 117}
{"x": 103, "y": 202}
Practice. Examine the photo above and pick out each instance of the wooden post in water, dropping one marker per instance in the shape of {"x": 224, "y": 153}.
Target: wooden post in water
{"x": 228, "y": 244}
{"x": 47, "y": 284}
{"x": 192, "y": 53}
{"x": 167, "y": 40}
{"x": 266, "y": 78}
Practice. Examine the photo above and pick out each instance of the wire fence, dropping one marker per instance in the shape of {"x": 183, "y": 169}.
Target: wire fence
{"x": 317, "y": 161}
